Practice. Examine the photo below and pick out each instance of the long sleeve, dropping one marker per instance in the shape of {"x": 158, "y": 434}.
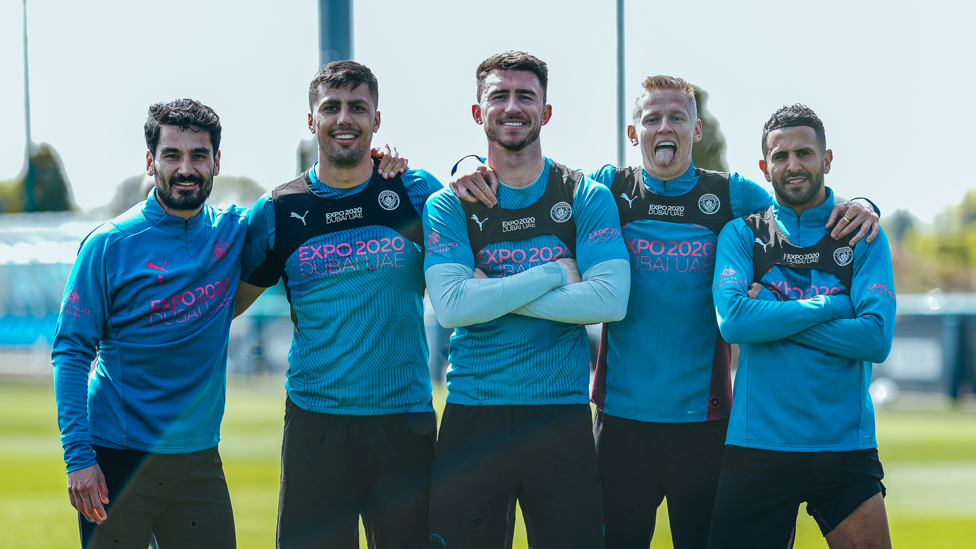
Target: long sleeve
{"x": 84, "y": 310}
{"x": 459, "y": 300}
{"x": 868, "y": 336}
{"x": 745, "y": 320}
{"x": 601, "y": 297}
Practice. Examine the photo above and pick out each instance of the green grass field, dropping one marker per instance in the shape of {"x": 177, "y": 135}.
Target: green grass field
{"x": 928, "y": 450}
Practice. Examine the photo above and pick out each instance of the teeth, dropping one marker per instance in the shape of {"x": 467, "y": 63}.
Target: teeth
{"x": 512, "y": 124}
{"x": 666, "y": 143}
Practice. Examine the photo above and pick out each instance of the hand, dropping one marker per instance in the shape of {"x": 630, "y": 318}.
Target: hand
{"x": 390, "y": 162}
{"x": 572, "y": 271}
{"x": 87, "y": 491}
{"x": 479, "y": 274}
{"x": 754, "y": 290}
{"x": 481, "y": 185}
{"x": 844, "y": 217}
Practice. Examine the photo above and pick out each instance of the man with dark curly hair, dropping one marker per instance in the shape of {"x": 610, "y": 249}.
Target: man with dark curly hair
{"x": 811, "y": 314}
{"x": 150, "y": 300}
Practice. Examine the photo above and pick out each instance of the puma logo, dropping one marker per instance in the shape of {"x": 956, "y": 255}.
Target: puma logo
{"x": 152, "y": 265}
{"x": 761, "y": 243}
{"x": 302, "y": 217}
{"x": 479, "y": 221}
{"x": 630, "y": 201}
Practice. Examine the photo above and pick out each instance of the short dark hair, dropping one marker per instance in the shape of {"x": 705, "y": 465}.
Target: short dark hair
{"x": 339, "y": 73}
{"x": 513, "y": 61}
{"x": 185, "y": 114}
{"x": 792, "y": 117}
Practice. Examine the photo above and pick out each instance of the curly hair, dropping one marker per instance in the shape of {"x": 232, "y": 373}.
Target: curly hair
{"x": 339, "y": 73}
{"x": 183, "y": 113}
{"x": 513, "y": 61}
{"x": 791, "y": 117}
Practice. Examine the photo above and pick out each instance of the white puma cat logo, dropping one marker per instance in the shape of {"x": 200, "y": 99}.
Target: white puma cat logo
{"x": 630, "y": 201}
{"x": 302, "y": 217}
{"x": 763, "y": 244}
{"x": 479, "y": 221}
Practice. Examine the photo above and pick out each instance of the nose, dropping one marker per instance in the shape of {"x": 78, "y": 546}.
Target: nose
{"x": 793, "y": 163}
{"x": 511, "y": 105}
{"x": 665, "y": 126}
{"x": 345, "y": 116}
{"x": 186, "y": 164}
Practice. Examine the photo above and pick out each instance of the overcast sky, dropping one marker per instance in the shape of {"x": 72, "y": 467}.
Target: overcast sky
{"x": 890, "y": 79}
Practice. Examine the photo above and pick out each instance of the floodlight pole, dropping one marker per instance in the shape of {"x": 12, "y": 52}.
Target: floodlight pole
{"x": 621, "y": 111}
{"x": 335, "y": 30}
{"x": 28, "y": 143}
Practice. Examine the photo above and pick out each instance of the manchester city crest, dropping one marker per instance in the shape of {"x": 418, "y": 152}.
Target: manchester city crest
{"x": 389, "y": 200}
{"x": 844, "y": 255}
{"x": 561, "y": 212}
{"x": 709, "y": 203}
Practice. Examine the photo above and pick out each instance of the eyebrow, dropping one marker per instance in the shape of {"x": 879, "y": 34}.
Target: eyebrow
{"x": 195, "y": 150}
{"x": 517, "y": 91}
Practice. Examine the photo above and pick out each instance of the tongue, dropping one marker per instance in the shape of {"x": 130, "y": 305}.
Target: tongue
{"x": 664, "y": 155}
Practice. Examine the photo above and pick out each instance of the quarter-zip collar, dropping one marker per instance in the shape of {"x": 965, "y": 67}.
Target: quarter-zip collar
{"x": 674, "y": 187}
{"x": 808, "y": 228}
{"x": 155, "y": 213}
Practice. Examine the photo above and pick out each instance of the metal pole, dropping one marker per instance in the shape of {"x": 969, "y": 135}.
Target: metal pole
{"x": 28, "y": 145}
{"x": 621, "y": 101}
{"x": 335, "y": 30}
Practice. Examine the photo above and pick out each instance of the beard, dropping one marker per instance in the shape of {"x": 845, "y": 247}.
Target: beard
{"x": 531, "y": 137}
{"x": 344, "y": 157}
{"x": 799, "y": 197}
{"x": 178, "y": 199}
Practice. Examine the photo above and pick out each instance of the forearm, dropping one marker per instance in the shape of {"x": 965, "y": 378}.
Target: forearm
{"x": 459, "y": 300}
{"x": 601, "y": 297}
{"x": 71, "y": 395}
{"x": 861, "y": 338}
{"x": 745, "y": 320}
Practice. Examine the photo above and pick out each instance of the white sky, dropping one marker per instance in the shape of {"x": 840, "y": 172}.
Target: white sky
{"x": 889, "y": 79}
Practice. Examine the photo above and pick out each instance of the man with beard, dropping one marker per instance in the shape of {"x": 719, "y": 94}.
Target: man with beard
{"x": 359, "y": 424}
{"x": 151, "y": 295}
{"x": 662, "y": 385}
{"x": 812, "y": 315}
{"x": 516, "y": 426}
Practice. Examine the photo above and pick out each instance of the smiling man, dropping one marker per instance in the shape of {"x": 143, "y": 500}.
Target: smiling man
{"x": 151, "y": 297}
{"x": 811, "y": 314}
{"x": 359, "y": 425}
{"x": 516, "y": 427}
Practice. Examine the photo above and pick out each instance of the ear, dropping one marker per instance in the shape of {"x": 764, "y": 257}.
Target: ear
{"x": 376, "y": 122}
{"x": 632, "y": 135}
{"x": 476, "y": 114}
{"x": 828, "y": 158}
{"x": 696, "y": 137}
{"x": 149, "y": 163}
{"x": 546, "y": 114}
{"x": 311, "y": 126}
{"x": 217, "y": 163}
{"x": 765, "y": 170}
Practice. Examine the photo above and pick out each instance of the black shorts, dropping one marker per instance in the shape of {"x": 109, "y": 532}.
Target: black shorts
{"x": 181, "y": 498}
{"x": 760, "y": 490}
{"x": 643, "y": 462}
{"x": 336, "y": 468}
{"x": 489, "y": 457}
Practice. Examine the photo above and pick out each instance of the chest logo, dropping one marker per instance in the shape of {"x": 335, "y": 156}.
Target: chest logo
{"x": 301, "y": 217}
{"x": 152, "y": 265}
{"x": 844, "y": 256}
{"x": 389, "y": 200}
{"x": 219, "y": 250}
{"x": 480, "y": 222}
{"x": 761, "y": 243}
{"x": 709, "y": 204}
{"x": 630, "y": 201}
{"x": 561, "y": 212}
